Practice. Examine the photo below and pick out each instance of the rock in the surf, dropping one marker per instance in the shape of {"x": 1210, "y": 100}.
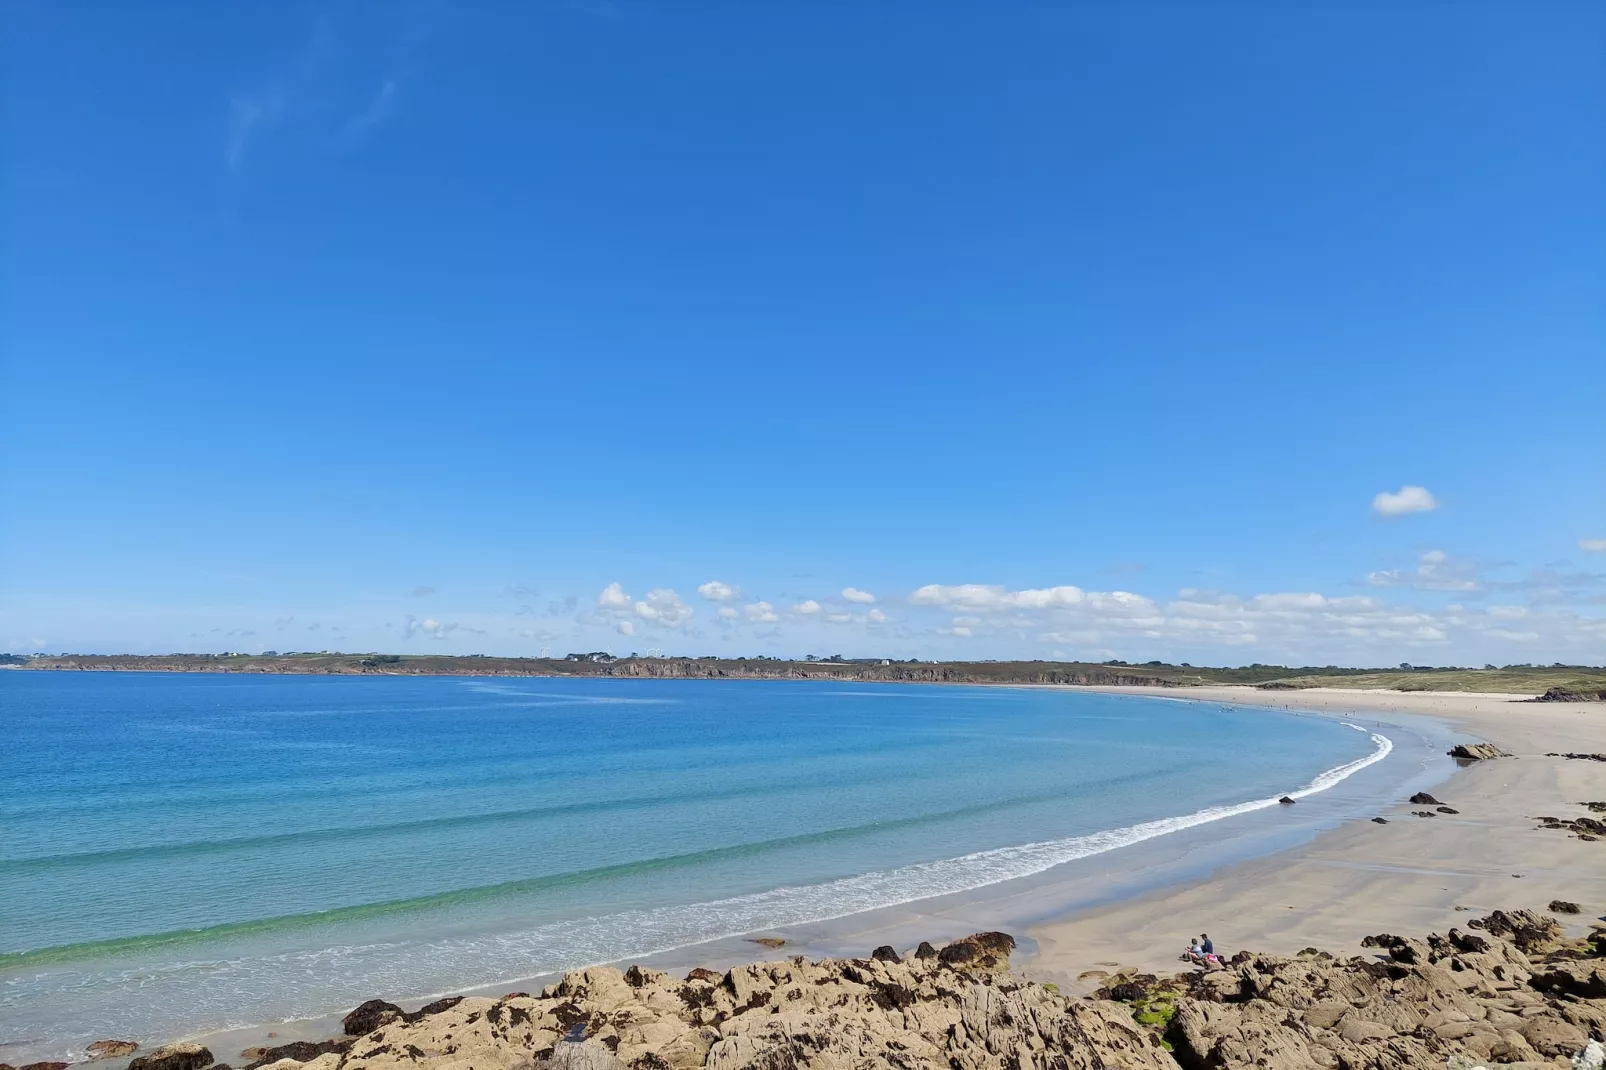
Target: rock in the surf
{"x": 111, "y": 1049}
{"x": 174, "y": 1057}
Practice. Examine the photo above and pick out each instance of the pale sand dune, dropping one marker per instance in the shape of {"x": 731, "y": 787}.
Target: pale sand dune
{"x": 1405, "y": 877}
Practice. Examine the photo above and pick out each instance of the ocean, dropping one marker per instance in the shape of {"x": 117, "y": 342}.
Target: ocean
{"x": 182, "y": 853}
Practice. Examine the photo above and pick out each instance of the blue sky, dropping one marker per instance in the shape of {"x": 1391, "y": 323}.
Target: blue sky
{"x": 1078, "y": 330}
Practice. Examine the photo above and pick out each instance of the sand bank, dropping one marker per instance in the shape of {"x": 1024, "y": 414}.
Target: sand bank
{"x": 1409, "y": 875}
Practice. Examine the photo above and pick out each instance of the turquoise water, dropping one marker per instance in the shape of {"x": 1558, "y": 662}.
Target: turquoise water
{"x": 188, "y": 852}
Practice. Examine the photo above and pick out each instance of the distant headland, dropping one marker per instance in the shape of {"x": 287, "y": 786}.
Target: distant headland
{"x": 1555, "y": 682}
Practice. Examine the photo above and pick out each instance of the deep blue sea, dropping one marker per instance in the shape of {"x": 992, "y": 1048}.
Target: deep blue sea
{"x": 181, "y": 852}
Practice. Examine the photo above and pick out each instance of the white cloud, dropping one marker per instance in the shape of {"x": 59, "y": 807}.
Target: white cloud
{"x": 715, "y": 591}
{"x": 761, "y": 613}
{"x": 613, "y": 598}
{"x": 853, "y": 594}
{"x": 728, "y": 613}
{"x": 1291, "y": 627}
{"x": 663, "y": 606}
{"x": 839, "y": 618}
{"x": 807, "y": 608}
{"x": 1435, "y": 571}
{"x": 990, "y": 597}
{"x": 875, "y": 616}
{"x": 1592, "y": 546}
{"x": 626, "y": 627}
{"x": 1408, "y": 499}
{"x": 429, "y": 627}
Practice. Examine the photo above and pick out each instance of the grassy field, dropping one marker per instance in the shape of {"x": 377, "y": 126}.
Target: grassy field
{"x": 1532, "y": 680}
{"x": 1505, "y": 681}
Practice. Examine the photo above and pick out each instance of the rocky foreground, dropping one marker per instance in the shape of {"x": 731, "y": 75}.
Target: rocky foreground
{"x": 1508, "y": 990}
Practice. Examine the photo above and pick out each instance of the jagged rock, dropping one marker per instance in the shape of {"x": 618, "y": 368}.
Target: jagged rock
{"x": 1514, "y": 990}
{"x": 1424, "y": 813}
{"x": 1447, "y": 810}
{"x": 435, "y": 1008}
{"x": 1422, "y": 798}
{"x": 1568, "y": 694}
{"x": 1562, "y": 906}
{"x": 300, "y": 1051}
{"x": 111, "y": 1049}
{"x": 1287, "y": 800}
{"x": 1380, "y": 820}
{"x": 1580, "y": 979}
{"x": 886, "y": 953}
{"x": 1553, "y": 1036}
{"x": 370, "y": 1016}
{"x": 982, "y": 951}
{"x": 1477, "y": 752}
{"x": 1529, "y": 931}
{"x": 583, "y": 1057}
{"x": 41, "y": 1066}
{"x": 174, "y": 1057}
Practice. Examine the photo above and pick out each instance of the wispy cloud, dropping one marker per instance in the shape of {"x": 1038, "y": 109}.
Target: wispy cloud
{"x": 378, "y": 109}
{"x": 278, "y": 95}
{"x": 339, "y": 102}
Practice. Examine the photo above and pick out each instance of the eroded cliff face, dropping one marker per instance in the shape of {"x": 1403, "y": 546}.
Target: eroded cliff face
{"x": 1508, "y": 991}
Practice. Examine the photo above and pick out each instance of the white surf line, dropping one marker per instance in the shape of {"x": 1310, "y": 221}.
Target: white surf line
{"x": 807, "y": 904}
{"x": 634, "y": 934}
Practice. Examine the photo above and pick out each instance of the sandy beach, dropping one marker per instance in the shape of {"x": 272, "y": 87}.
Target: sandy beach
{"x": 1410, "y": 875}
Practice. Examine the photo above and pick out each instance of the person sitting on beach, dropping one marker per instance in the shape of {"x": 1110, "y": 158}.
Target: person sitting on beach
{"x": 1205, "y": 945}
{"x": 1194, "y": 953}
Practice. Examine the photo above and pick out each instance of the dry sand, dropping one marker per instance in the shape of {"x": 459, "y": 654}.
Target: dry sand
{"x": 1407, "y": 876}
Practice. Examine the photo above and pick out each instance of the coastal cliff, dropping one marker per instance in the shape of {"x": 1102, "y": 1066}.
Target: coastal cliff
{"x": 1510, "y": 989}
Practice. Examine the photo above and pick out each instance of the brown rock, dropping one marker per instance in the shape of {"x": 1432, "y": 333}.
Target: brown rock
{"x": 1529, "y": 931}
{"x": 301, "y": 1051}
{"x": 1422, "y": 798}
{"x": 1562, "y": 906}
{"x": 980, "y": 951}
{"x": 1477, "y": 752}
{"x": 174, "y": 1057}
{"x": 1553, "y": 1036}
{"x": 370, "y": 1016}
{"x": 111, "y": 1049}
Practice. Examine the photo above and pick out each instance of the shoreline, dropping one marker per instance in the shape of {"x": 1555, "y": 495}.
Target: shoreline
{"x": 1409, "y": 875}
{"x": 1342, "y": 882}
{"x": 1109, "y": 916}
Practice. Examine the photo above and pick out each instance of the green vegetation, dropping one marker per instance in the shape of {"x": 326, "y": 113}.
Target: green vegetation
{"x": 1513, "y": 679}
